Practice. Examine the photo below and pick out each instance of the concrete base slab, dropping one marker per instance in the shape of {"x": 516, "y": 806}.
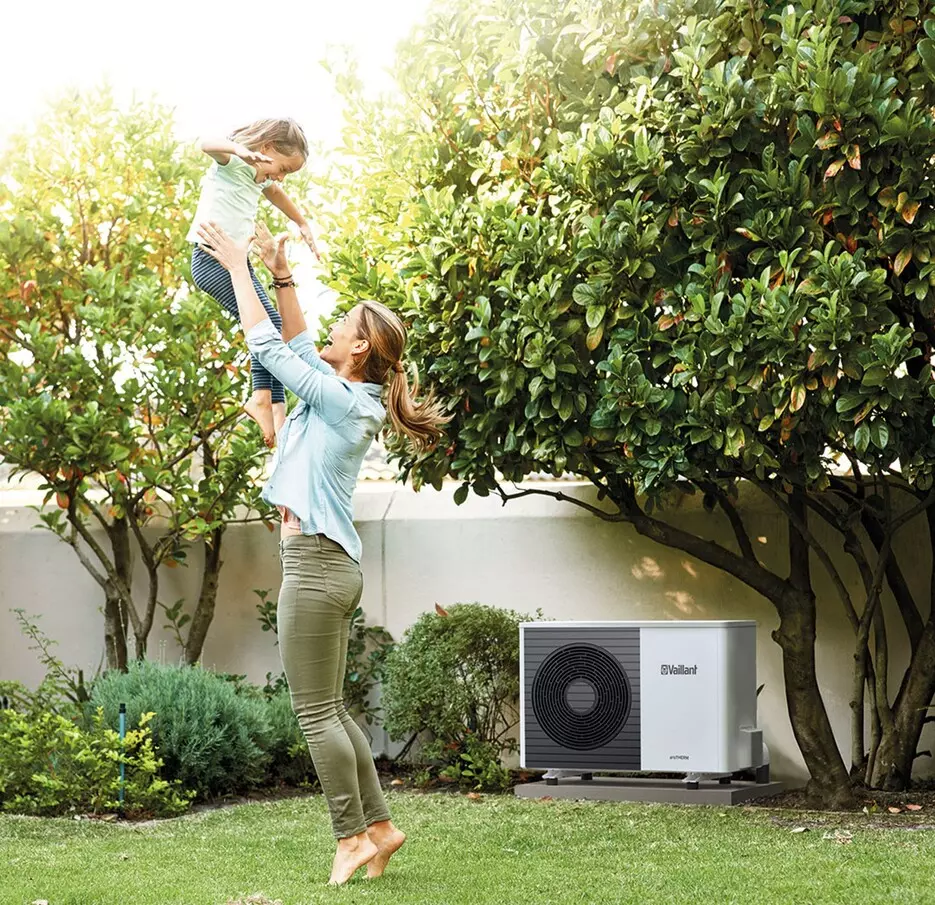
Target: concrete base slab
{"x": 668, "y": 791}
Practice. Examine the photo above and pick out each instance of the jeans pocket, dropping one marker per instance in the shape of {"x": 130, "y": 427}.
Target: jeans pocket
{"x": 343, "y": 580}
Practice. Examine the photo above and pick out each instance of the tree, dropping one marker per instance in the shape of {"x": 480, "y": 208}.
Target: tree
{"x": 673, "y": 248}
{"x": 117, "y": 386}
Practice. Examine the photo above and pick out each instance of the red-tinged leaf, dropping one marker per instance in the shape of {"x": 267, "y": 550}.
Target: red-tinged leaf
{"x": 666, "y": 322}
{"x": 895, "y": 810}
{"x": 829, "y": 378}
{"x": 815, "y": 360}
{"x": 797, "y": 398}
{"x": 827, "y": 217}
{"x": 837, "y": 125}
{"x": 902, "y": 201}
{"x": 902, "y": 259}
{"x": 853, "y": 156}
{"x": 828, "y": 140}
{"x": 887, "y": 196}
{"x": 913, "y": 807}
{"x": 850, "y": 243}
{"x": 844, "y": 20}
{"x": 269, "y": 526}
{"x": 473, "y": 796}
{"x": 440, "y": 610}
{"x": 611, "y": 64}
{"x": 62, "y": 499}
{"x": 748, "y": 234}
{"x": 673, "y": 220}
{"x": 398, "y": 782}
{"x": 834, "y": 169}
{"x": 909, "y": 211}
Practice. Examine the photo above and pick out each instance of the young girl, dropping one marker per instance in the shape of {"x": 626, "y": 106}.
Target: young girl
{"x": 253, "y": 161}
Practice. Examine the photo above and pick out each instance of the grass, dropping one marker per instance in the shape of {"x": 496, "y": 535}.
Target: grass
{"x": 495, "y": 851}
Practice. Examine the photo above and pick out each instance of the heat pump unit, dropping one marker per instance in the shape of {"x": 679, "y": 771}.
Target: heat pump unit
{"x": 639, "y": 696}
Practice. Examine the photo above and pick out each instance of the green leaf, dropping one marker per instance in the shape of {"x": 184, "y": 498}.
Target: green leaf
{"x": 849, "y": 402}
{"x": 862, "y": 438}
{"x": 926, "y": 48}
{"x": 461, "y": 494}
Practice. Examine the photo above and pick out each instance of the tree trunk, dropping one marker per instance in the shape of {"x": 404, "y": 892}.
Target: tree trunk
{"x": 204, "y": 611}
{"x": 115, "y": 636}
{"x": 830, "y": 784}
{"x": 116, "y": 606}
{"x": 899, "y": 744}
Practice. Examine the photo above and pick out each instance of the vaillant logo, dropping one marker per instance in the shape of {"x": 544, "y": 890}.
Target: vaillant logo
{"x": 678, "y": 669}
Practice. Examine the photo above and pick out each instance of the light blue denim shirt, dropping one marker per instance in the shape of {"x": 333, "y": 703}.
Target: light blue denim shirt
{"x": 321, "y": 447}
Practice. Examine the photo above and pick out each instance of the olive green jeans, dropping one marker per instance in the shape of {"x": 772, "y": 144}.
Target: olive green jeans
{"x": 321, "y": 588}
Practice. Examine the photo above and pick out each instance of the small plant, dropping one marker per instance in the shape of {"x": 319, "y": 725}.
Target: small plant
{"x": 62, "y": 690}
{"x": 267, "y": 612}
{"x": 455, "y": 678}
{"x": 214, "y": 740}
{"x": 50, "y": 766}
{"x": 474, "y": 765}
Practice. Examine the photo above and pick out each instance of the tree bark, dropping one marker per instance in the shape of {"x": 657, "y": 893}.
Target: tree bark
{"x": 115, "y": 636}
{"x": 830, "y": 783}
{"x": 207, "y": 598}
{"x": 900, "y": 741}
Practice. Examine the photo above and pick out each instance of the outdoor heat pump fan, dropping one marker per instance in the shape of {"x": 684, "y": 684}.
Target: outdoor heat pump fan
{"x": 640, "y": 696}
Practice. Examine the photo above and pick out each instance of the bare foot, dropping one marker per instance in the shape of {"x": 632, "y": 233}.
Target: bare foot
{"x": 388, "y": 840}
{"x": 352, "y": 854}
{"x": 279, "y": 415}
{"x": 261, "y": 411}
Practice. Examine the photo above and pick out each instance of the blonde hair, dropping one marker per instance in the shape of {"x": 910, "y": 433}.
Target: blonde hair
{"x": 285, "y": 135}
{"x": 420, "y": 421}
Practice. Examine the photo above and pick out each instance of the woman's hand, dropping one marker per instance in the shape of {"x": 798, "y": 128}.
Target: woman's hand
{"x": 229, "y": 254}
{"x": 272, "y": 251}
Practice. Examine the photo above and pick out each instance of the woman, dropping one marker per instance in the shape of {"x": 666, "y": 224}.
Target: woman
{"x": 320, "y": 450}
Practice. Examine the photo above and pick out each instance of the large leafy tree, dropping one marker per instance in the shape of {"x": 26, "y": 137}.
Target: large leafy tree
{"x": 679, "y": 248}
{"x": 117, "y": 386}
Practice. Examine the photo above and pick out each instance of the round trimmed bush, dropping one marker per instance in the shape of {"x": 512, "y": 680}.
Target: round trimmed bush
{"x": 212, "y": 739}
{"x": 456, "y": 675}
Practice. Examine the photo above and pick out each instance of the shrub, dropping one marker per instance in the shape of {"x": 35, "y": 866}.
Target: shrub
{"x": 49, "y": 765}
{"x": 290, "y": 761}
{"x": 456, "y": 676}
{"x": 212, "y": 739}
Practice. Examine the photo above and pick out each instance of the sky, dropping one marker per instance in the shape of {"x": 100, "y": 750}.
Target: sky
{"x": 218, "y": 64}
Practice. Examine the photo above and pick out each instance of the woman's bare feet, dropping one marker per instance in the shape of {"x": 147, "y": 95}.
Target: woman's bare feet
{"x": 353, "y": 853}
{"x": 388, "y": 840}
{"x": 260, "y": 409}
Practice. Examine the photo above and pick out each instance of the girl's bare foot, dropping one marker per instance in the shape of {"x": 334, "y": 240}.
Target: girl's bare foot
{"x": 279, "y": 416}
{"x": 353, "y": 853}
{"x": 261, "y": 411}
{"x": 388, "y": 840}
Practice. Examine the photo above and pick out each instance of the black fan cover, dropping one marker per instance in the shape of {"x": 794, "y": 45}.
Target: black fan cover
{"x": 581, "y": 696}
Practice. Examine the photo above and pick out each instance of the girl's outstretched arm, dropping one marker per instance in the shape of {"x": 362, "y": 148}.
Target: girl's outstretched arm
{"x": 278, "y": 197}
{"x": 221, "y": 149}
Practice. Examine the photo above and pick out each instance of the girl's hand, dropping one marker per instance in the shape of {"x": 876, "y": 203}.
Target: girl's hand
{"x": 272, "y": 251}
{"x": 306, "y": 232}
{"x": 228, "y": 253}
{"x": 248, "y": 156}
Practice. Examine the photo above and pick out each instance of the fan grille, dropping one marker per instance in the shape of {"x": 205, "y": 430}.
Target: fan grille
{"x": 572, "y": 673}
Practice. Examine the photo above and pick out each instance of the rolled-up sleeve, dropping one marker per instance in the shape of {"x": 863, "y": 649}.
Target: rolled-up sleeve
{"x": 303, "y": 346}
{"x": 323, "y": 391}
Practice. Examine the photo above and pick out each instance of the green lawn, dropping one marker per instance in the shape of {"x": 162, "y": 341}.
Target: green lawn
{"x": 463, "y": 852}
